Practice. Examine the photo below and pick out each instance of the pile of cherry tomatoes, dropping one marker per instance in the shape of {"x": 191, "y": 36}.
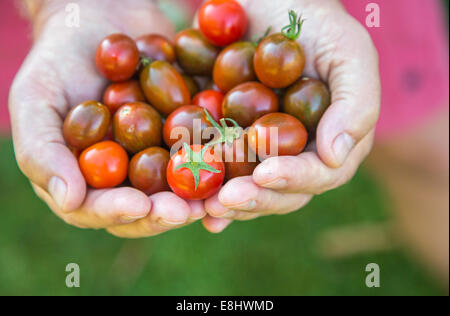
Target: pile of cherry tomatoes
{"x": 240, "y": 89}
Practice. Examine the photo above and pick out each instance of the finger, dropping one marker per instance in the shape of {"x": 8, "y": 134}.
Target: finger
{"x": 215, "y": 209}
{"x": 215, "y": 225}
{"x": 168, "y": 212}
{"x": 39, "y": 145}
{"x": 197, "y": 211}
{"x": 307, "y": 173}
{"x": 103, "y": 208}
{"x": 353, "y": 78}
{"x": 242, "y": 194}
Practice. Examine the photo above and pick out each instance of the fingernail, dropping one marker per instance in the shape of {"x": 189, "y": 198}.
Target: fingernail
{"x": 229, "y": 214}
{"x": 130, "y": 219}
{"x": 247, "y": 206}
{"x": 276, "y": 184}
{"x": 165, "y": 222}
{"x": 58, "y": 190}
{"x": 343, "y": 144}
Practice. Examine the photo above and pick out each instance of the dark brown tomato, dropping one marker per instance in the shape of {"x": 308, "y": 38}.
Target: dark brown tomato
{"x": 240, "y": 160}
{"x": 137, "y": 126}
{"x": 248, "y": 102}
{"x": 192, "y": 85}
{"x": 147, "y": 170}
{"x": 307, "y": 100}
{"x": 86, "y": 124}
{"x": 234, "y": 66}
{"x": 117, "y": 57}
{"x": 278, "y": 61}
{"x": 164, "y": 87}
{"x": 181, "y": 124}
{"x": 194, "y": 53}
{"x": 156, "y": 47}
{"x": 277, "y": 134}
{"x": 117, "y": 94}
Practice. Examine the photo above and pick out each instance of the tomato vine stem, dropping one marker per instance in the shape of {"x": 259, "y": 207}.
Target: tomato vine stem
{"x": 227, "y": 134}
{"x": 294, "y": 29}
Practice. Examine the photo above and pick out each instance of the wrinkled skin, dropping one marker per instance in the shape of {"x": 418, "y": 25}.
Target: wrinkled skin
{"x": 248, "y": 102}
{"x": 156, "y": 47}
{"x": 86, "y": 124}
{"x": 279, "y": 62}
{"x": 195, "y": 55}
{"x": 234, "y": 66}
{"x": 291, "y": 136}
{"x": 164, "y": 87}
{"x": 147, "y": 170}
{"x": 104, "y": 165}
{"x": 307, "y": 100}
{"x": 117, "y": 94}
{"x": 184, "y": 118}
{"x": 117, "y": 57}
{"x": 137, "y": 126}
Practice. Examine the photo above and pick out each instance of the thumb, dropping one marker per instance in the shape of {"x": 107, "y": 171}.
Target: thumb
{"x": 36, "y": 117}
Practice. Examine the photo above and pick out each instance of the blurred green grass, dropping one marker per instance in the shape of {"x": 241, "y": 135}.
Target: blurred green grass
{"x": 271, "y": 256}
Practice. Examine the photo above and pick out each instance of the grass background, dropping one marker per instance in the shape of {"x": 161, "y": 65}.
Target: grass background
{"x": 277, "y": 255}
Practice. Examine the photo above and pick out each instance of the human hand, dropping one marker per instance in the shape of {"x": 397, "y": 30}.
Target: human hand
{"x": 338, "y": 51}
{"x": 58, "y": 73}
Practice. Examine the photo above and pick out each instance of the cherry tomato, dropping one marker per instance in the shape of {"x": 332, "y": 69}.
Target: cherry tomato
{"x": 195, "y": 55}
{"x": 248, "y": 102}
{"x": 117, "y": 94}
{"x": 86, "y": 124}
{"x": 210, "y": 173}
{"x": 290, "y": 140}
{"x": 164, "y": 87}
{"x": 239, "y": 159}
{"x": 156, "y": 47}
{"x": 117, "y": 57}
{"x": 234, "y": 66}
{"x": 147, "y": 170}
{"x": 278, "y": 62}
{"x": 181, "y": 123}
{"x": 307, "y": 100}
{"x": 104, "y": 165}
{"x": 191, "y": 84}
{"x": 212, "y": 101}
{"x": 137, "y": 126}
{"x": 222, "y": 21}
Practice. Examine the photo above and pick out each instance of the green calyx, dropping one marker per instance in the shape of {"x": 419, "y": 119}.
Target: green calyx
{"x": 227, "y": 134}
{"x": 195, "y": 163}
{"x": 257, "y": 39}
{"x": 144, "y": 62}
{"x": 293, "y": 30}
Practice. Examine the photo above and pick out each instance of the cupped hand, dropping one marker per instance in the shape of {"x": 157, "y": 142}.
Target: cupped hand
{"x": 59, "y": 73}
{"x": 339, "y": 51}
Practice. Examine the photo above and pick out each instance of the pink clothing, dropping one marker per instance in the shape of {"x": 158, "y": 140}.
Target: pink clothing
{"x": 412, "y": 43}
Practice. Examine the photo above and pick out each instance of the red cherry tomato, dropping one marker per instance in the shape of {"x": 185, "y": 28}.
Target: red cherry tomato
{"x": 117, "y": 57}
{"x": 222, "y": 22}
{"x": 208, "y": 169}
{"x": 104, "y": 165}
{"x": 117, "y": 94}
{"x": 290, "y": 139}
{"x": 212, "y": 101}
